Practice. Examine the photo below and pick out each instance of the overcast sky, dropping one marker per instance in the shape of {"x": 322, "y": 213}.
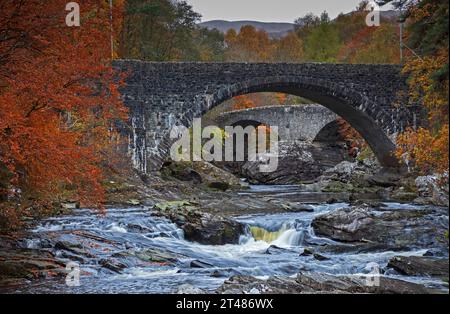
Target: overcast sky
{"x": 268, "y": 10}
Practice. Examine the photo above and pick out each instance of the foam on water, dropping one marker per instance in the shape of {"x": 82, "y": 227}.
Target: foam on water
{"x": 271, "y": 249}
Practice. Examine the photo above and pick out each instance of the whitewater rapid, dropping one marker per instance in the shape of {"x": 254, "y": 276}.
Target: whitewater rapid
{"x": 272, "y": 245}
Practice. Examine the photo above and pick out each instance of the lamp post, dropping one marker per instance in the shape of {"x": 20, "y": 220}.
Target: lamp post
{"x": 401, "y": 26}
{"x": 111, "y": 28}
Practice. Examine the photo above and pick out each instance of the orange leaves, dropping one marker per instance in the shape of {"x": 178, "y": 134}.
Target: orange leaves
{"x": 423, "y": 12}
{"x": 430, "y": 153}
{"x": 357, "y": 42}
{"x": 423, "y": 87}
{"x": 243, "y": 102}
{"x": 428, "y": 148}
{"x": 59, "y": 104}
{"x": 373, "y": 45}
{"x": 289, "y": 49}
{"x": 250, "y": 45}
{"x": 253, "y": 45}
{"x": 281, "y": 98}
{"x": 258, "y": 99}
{"x": 350, "y": 135}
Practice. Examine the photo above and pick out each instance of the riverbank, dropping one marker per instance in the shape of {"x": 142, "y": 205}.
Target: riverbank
{"x": 139, "y": 251}
{"x": 175, "y": 235}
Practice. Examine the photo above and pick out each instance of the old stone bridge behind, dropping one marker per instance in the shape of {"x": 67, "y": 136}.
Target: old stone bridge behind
{"x": 295, "y": 122}
{"x": 161, "y": 95}
{"x": 309, "y": 142}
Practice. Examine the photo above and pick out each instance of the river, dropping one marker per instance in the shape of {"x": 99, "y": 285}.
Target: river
{"x": 272, "y": 245}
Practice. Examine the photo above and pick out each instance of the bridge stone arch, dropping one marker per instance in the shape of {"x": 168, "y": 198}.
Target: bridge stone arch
{"x": 161, "y": 95}
{"x": 329, "y": 133}
{"x": 295, "y": 122}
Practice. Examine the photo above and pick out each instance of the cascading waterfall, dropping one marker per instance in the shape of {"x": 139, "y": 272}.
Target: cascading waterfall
{"x": 260, "y": 234}
{"x": 286, "y": 236}
{"x": 154, "y": 248}
{"x": 290, "y": 237}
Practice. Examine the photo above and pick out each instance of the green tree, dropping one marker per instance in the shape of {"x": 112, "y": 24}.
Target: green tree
{"x": 209, "y": 45}
{"x": 158, "y": 30}
{"x": 305, "y": 24}
{"x": 323, "y": 44}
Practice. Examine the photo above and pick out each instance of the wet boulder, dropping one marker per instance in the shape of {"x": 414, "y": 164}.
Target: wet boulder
{"x": 345, "y": 172}
{"x": 189, "y": 289}
{"x": 200, "y": 264}
{"x": 242, "y": 284}
{"x": 298, "y": 161}
{"x": 201, "y": 173}
{"x": 420, "y": 266}
{"x": 310, "y": 252}
{"x": 225, "y": 273}
{"x": 313, "y": 282}
{"x": 221, "y": 186}
{"x": 273, "y": 249}
{"x": 211, "y": 229}
{"x": 201, "y": 227}
{"x": 320, "y": 257}
{"x": 138, "y": 257}
{"x": 74, "y": 248}
{"x": 307, "y": 252}
{"x": 182, "y": 172}
{"x": 154, "y": 255}
{"x": 393, "y": 227}
{"x": 29, "y": 264}
{"x": 430, "y": 190}
{"x": 385, "y": 179}
{"x": 112, "y": 265}
{"x": 297, "y": 207}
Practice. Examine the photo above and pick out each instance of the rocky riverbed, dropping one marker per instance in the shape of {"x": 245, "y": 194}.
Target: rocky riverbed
{"x": 175, "y": 247}
{"x": 201, "y": 233}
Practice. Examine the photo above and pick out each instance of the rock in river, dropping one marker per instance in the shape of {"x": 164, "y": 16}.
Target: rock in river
{"x": 201, "y": 227}
{"x": 429, "y": 188}
{"x": 420, "y": 266}
{"x": 311, "y": 282}
{"x": 394, "y": 227}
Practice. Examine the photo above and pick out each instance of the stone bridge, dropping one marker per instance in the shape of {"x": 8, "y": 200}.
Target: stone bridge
{"x": 309, "y": 142}
{"x": 161, "y": 95}
{"x": 295, "y": 123}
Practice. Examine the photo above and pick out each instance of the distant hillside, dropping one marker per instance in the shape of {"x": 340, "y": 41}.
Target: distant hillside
{"x": 390, "y": 14}
{"x": 275, "y": 30}
{"x": 387, "y": 14}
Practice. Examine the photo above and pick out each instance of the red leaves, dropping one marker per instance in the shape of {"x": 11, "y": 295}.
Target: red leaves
{"x": 350, "y": 135}
{"x": 427, "y": 152}
{"x": 58, "y": 100}
{"x": 243, "y": 102}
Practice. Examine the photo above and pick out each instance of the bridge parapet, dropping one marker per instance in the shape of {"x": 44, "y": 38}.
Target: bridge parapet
{"x": 161, "y": 95}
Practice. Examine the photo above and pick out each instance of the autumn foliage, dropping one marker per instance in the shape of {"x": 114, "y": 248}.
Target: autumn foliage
{"x": 257, "y": 100}
{"x": 58, "y": 102}
{"x": 356, "y": 142}
{"x": 242, "y": 102}
{"x": 427, "y": 149}
{"x": 253, "y": 45}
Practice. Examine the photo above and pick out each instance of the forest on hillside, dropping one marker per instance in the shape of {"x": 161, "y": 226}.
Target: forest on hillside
{"x": 163, "y": 30}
